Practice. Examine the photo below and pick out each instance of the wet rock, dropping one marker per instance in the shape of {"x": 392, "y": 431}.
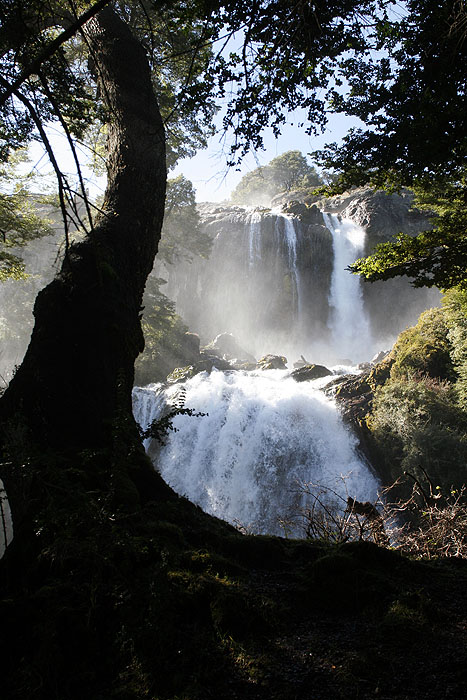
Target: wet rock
{"x": 225, "y": 345}
{"x": 206, "y": 363}
{"x": 272, "y": 362}
{"x": 309, "y": 372}
{"x": 354, "y": 394}
{"x": 190, "y": 350}
{"x": 379, "y": 357}
{"x": 245, "y": 366}
{"x": 364, "y": 366}
{"x": 180, "y": 374}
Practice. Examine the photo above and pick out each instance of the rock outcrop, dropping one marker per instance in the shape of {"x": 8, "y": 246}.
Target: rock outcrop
{"x": 309, "y": 372}
{"x": 272, "y": 362}
{"x": 354, "y": 394}
{"x": 206, "y": 363}
{"x": 226, "y": 346}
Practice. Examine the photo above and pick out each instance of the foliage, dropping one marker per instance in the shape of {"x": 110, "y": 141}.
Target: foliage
{"x": 434, "y": 522}
{"x": 429, "y": 524}
{"x": 410, "y": 92}
{"x": 19, "y": 220}
{"x": 331, "y": 517}
{"x": 287, "y": 59}
{"x": 182, "y": 237}
{"x": 411, "y": 96}
{"x": 416, "y": 424}
{"x": 163, "y": 332}
{"x": 437, "y": 257}
{"x": 284, "y": 173}
{"x": 67, "y": 76}
{"x": 455, "y": 305}
{"x": 424, "y": 349}
{"x": 160, "y": 427}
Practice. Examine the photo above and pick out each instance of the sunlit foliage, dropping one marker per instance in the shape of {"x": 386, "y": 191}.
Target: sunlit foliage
{"x": 289, "y": 171}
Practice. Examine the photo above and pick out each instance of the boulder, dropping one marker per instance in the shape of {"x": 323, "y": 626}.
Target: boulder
{"x": 309, "y": 372}
{"x": 245, "y": 366}
{"x": 272, "y": 362}
{"x": 189, "y": 348}
{"x": 180, "y": 374}
{"x": 354, "y": 395}
{"x": 206, "y": 363}
{"x": 225, "y": 345}
{"x": 379, "y": 357}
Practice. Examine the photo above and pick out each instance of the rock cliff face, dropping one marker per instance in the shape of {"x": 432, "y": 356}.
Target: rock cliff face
{"x": 268, "y": 279}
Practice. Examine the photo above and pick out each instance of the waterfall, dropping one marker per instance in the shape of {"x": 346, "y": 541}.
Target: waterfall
{"x": 254, "y": 238}
{"x": 6, "y": 524}
{"x": 349, "y": 324}
{"x": 291, "y": 240}
{"x": 263, "y": 436}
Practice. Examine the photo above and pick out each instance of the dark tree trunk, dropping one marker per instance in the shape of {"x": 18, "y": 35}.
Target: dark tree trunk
{"x": 75, "y": 382}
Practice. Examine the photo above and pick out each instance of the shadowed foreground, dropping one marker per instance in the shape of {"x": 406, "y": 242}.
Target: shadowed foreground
{"x": 112, "y": 600}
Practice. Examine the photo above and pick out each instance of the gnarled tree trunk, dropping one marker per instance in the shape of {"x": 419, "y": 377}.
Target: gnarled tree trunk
{"x": 75, "y": 382}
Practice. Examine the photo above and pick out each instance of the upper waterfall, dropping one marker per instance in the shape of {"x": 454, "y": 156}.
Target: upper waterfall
{"x": 349, "y": 323}
{"x": 278, "y": 281}
{"x": 266, "y": 281}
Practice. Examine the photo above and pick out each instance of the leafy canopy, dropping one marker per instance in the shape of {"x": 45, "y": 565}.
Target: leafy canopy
{"x": 182, "y": 236}
{"x": 437, "y": 257}
{"x": 401, "y": 70}
{"x": 411, "y": 95}
{"x": 19, "y": 219}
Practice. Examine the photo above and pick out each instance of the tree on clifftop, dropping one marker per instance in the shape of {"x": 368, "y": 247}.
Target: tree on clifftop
{"x": 284, "y": 173}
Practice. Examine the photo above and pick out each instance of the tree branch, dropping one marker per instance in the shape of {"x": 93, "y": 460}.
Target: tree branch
{"x": 50, "y": 49}
{"x": 51, "y": 154}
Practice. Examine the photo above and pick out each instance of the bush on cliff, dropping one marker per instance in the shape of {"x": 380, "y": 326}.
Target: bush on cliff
{"x": 455, "y": 305}
{"x": 417, "y": 424}
{"x": 425, "y": 348}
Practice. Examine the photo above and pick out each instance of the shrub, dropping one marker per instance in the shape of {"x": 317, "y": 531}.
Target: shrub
{"x": 455, "y": 305}
{"x": 417, "y": 424}
{"x": 430, "y": 523}
{"x": 425, "y": 348}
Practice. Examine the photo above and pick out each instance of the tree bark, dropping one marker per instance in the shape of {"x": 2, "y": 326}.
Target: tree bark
{"x": 74, "y": 385}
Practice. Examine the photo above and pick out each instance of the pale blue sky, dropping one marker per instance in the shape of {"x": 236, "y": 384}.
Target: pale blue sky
{"x": 207, "y": 170}
{"x": 214, "y": 183}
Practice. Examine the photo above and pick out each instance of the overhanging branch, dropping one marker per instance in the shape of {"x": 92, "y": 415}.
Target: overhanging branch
{"x": 50, "y": 49}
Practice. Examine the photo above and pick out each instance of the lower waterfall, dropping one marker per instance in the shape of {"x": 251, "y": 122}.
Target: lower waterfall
{"x": 264, "y": 437}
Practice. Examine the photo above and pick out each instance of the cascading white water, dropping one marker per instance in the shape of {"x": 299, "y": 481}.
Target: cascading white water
{"x": 6, "y": 524}
{"x": 291, "y": 239}
{"x": 349, "y": 323}
{"x": 254, "y": 238}
{"x": 264, "y": 434}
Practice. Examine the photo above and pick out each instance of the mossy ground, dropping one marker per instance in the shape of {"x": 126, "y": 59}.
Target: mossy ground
{"x": 167, "y": 603}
